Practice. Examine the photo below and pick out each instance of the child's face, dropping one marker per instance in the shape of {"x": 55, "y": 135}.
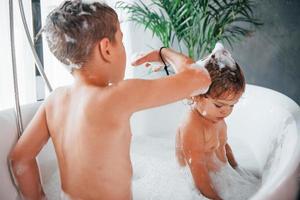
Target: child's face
{"x": 216, "y": 109}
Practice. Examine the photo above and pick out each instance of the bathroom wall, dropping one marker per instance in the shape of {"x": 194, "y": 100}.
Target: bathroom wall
{"x": 24, "y": 58}
{"x": 270, "y": 57}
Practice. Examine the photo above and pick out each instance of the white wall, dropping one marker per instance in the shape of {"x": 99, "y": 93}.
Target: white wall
{"x": 25, "y": 63}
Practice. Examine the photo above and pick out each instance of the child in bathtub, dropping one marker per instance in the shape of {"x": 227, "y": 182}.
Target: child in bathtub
{"x": 88, "y": 121}
{"x": 201, "y": 141}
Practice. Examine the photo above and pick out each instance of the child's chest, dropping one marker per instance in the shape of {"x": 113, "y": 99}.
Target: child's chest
{"x": 213, "y": 138}
{"x": 208, "y": 137}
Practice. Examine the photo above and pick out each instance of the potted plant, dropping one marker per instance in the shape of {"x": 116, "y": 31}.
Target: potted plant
{"x": 196, "y": 24}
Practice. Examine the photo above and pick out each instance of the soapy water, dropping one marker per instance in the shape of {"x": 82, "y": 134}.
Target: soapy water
{"x": 157, "y": 176}
{"x": 234, "y": 184}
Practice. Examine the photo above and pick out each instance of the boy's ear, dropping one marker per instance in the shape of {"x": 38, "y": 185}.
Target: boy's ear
{"x": 105, "y": 49}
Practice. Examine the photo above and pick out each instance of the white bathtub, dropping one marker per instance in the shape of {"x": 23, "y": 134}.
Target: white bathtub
{"x": 263, "y": 130}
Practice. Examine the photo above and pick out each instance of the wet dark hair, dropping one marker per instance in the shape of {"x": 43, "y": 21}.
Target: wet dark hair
{"x": 73, "y": 29}
{"x": 226, "y": 81}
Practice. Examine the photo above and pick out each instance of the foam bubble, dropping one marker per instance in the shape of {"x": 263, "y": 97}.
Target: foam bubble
{"x": 85, "y": 25}
{"x": 222, "y": 57}
{"x": 20, "y": 169}
{"x": 84, "y": 13}
{"x": 64, "y": 196}
{"x": 71, "y": 66}
{"x": 70, "y": 39}
{"x": 92, "y": 1}
{"x": 61, "y": 18}
{"x": 93, "y": 8}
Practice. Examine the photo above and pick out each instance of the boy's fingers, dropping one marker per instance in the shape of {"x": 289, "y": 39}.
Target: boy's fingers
{"x": 152, "y": 56}
{"x": 157, "y": 68}
{"x": 139, "y": 61}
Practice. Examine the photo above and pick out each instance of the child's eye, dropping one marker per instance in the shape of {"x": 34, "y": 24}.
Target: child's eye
{"x": 218, "y": 106}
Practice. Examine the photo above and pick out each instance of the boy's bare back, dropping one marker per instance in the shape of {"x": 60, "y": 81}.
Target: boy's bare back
{"x": 91, "y": 136}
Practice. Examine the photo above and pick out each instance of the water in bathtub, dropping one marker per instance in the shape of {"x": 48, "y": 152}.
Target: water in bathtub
{"x": 156, "y": 174}
{"x": 234, "y": 184}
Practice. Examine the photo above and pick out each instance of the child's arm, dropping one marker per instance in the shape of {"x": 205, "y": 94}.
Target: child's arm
{"x": 138, "y": 94}
{"x": 200, "y": 173}
{"x": 230, "y": 156}
{"x": 23, "y": 156}
{"x": 198, "y": 158}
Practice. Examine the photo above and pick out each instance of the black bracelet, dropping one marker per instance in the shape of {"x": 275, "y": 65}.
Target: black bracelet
{"x": 166, "y": 66}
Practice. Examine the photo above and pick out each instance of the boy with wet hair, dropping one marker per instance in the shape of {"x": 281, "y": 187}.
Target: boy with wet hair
{"x": 88, "y": 121}
{"x": 73, "y": 30}
{"x": 201, "y": 142}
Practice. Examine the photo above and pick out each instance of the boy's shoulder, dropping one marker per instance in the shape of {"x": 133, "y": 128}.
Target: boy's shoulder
{"x": 56, "y": 98}
{"x": 56, "y": 93}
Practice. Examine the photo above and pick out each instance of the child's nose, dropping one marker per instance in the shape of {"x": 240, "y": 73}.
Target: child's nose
{"x": 226, "y": 110}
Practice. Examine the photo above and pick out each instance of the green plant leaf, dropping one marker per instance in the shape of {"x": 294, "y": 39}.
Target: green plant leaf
{"x": 195, "y": 24}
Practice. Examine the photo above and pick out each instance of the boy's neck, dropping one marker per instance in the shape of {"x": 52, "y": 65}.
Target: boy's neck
{"x": 87, "y": 76}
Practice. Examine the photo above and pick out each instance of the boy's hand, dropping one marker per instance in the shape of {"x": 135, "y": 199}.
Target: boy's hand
{"x": 152, "y": 56}
{"x": 206, "y": 74}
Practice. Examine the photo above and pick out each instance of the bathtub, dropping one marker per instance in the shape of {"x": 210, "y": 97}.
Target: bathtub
{"x": 263, "y": 130}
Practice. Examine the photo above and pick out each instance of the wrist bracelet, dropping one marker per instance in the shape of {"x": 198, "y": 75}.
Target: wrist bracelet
{"x": 166, "y": 66}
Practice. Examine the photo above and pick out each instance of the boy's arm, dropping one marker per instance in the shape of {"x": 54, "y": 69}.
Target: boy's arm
{"x": 230, "y": 156}
{"x": 177, "y": 60}
{"x": 23, "y": 156}
{"x": 138, "y": 94}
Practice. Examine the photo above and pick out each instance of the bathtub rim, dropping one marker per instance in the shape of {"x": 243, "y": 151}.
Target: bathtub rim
{"x": 290, "y": 169}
